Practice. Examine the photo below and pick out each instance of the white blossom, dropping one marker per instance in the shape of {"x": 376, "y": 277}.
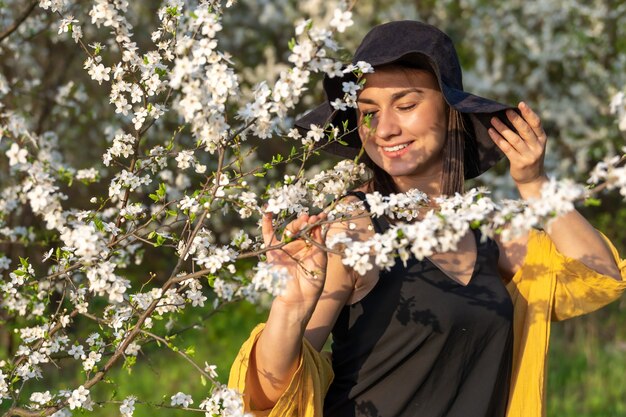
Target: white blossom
{"x": 127, "y": 408}
{"x": 79, "y": 398}
{"x": 341, "y": 20}
{"x": 182, "y": 399}
{"x": 16, "y": 155}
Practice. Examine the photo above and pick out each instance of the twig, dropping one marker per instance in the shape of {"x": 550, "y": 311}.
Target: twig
{"x": 20, "y": 19}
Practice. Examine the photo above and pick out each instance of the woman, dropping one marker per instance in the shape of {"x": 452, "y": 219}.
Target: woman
{"x": 462, "y": 333}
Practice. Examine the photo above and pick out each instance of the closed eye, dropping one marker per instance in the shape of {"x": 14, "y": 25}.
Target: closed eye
{"x": 406, "y": 107}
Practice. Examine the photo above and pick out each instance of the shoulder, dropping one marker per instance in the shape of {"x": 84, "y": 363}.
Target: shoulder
{"x": 512, "y": 254}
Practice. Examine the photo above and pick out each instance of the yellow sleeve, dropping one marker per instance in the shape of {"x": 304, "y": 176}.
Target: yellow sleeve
{"x": 304, "y": 397}
{"x": 579, "y": 289}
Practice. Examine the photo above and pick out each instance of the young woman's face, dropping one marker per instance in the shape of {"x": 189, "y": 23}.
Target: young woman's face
{"x": 407, "y": 125}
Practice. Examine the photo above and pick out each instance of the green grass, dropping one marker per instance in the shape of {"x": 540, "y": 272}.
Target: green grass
{"x": 587, "y": 366}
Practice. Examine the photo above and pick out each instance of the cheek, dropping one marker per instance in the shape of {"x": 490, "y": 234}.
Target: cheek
{"x": 365, "y": 134}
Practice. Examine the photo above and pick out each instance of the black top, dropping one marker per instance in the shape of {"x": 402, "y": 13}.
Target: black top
{"x": 419, "y": 344}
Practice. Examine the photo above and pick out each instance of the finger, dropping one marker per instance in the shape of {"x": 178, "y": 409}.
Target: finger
{"x": 503, "y": 144}
{"x": 296, "y": 226}
{"x": 509, "y": 135}
{"x": 316, "y": 234}
{"x": 506, "y": 139}
{"x": 524, "y": 131}
{"x": 534, "y": 121}
{"x": 267, "y": 230}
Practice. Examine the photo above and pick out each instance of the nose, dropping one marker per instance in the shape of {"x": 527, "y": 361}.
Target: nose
{"x": 386, "y": 124}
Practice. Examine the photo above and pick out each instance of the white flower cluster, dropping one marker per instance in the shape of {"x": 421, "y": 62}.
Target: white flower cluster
{"x": 189, "y": 203}
{"x": 85, "y": 241}
{"x": 334, "y": 182}
{"x": 610, "y": 172}
{"x": 97, "y": 71}
{"x": 557, "y": 198}
{"x": 42, "y": 194}
{"x": 204, "y": 78}
{"x": 247, "y": 204}
{"x": 127, "y": 408}
{"x": 226, "y": 290}
{"x": 194, "y": 292}
{"x": 80, "y": 398}
{"x": 270, "y": 279}
{"x": 54, "y": 5}
{"x": 289, "y": 197}
{"x": 224, "y": 402}
{"x": 441, "y": 229}
{"x": 41, "y": 352}
{"x": 308, "y": 54}
{"x": 397, "y": 206}
{"x": 167, "y": 302}
{"x": 618, "y": 108}
{"x": 4, "y": 387}
{"x": 207, "y": 254}
{"x": 351, "y": 88}
{"x": 103, "y": 281}
{"x": 123, "y": 145}
{"x": 126, "y": 179}
{"x": 40, "y": 398}
{"x": 182, "y": 399}
{"x": 87, "y": 175}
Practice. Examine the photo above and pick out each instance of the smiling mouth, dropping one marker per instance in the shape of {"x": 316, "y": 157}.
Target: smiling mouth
{"x": 396, "y": 148}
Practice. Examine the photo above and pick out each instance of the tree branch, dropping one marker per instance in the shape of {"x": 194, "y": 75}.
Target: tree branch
{"x": 20, "y": 19}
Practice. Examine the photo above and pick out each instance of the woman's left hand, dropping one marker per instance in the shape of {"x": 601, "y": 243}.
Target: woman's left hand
{"x": 525, "y": 148}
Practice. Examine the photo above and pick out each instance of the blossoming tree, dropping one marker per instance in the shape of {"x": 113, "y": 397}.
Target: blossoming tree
{"x": 139, "y": 148}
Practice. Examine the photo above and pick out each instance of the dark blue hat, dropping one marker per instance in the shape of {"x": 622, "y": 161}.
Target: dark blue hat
{"x": 417, "y": 45}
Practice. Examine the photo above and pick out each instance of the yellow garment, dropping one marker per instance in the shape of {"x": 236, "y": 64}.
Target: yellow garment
{"x": 304, "y": 397}
{"x": 548, "y": 286}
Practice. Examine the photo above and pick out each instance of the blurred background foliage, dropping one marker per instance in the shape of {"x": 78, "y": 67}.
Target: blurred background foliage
{"x": 565, "y": 58}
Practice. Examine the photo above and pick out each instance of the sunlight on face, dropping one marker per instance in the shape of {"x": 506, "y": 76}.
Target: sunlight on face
{"x": 403, "y": 118}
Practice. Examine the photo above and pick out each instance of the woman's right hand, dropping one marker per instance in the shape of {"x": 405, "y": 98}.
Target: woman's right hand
{"x": 304, "y": 258}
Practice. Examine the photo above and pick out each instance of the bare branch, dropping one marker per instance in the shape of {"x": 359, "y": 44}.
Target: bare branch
{"x": 20, "y": 19}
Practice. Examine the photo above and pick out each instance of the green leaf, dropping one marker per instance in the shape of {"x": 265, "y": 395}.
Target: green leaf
{"x": 292, "y": 43}
{"x": 593, "y": 202}
{"x": 211, "y": 280}
{"x": 98, "y": 223}
{"x": 129, "y": 361}
{"x": 161, "y": 191}
{"x": 159, "y": 241}
{"x": 277, "y": 159}
{"x": 173, "y": 11}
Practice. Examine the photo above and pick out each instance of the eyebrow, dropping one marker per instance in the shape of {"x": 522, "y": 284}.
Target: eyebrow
{"x": 394, "y": 97}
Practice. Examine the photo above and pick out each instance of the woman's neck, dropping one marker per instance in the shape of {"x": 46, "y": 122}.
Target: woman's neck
{"x": 431, "y": 185}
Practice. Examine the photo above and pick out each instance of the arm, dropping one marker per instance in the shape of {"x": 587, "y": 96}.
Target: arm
{"x": 307, "y": 301}
{"x": 572, "y": 235}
